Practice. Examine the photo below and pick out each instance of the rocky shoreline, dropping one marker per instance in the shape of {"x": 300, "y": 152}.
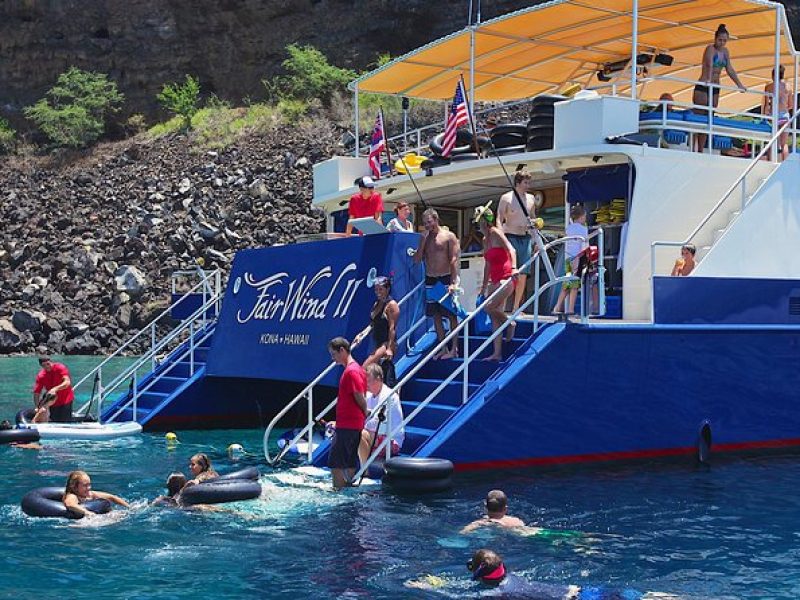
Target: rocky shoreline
{"x": 87, "y": 247}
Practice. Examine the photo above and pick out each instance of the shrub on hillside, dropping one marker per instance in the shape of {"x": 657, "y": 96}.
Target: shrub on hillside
{"x": 182, "y": 99}
{"x": 74, "y": 111}
{"x": 309, "y": 76}
{"x": 7, "y": 135}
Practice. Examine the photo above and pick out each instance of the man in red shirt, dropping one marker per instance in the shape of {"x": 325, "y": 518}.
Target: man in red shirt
{"x": 56, "y": 405}
{"x": 366, "y": 203}
{"x": 351, "y": 412}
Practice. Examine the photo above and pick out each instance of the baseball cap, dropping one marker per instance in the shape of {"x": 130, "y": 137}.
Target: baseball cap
{"x": 366, "y": 182}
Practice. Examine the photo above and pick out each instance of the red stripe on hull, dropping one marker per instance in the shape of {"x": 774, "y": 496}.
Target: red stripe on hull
{"x": 621, "y": 456}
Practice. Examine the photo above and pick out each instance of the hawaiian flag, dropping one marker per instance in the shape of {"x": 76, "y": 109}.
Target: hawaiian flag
{"x": 458, "y": 116}
{"x": 377, "y": 145}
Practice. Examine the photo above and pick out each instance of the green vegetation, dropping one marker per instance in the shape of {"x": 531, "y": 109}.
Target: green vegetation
{"x": 7, "y": 135}
{"x": 73, "y": 112}
{"x": 182, "y": 99}
{"x": 309, "y": 77}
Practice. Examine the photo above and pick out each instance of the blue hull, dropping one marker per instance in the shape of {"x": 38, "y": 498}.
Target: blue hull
{"x": 596, "y": 393}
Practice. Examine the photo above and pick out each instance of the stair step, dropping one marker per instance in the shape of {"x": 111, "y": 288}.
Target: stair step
{"x": 127, "y": 415}
{"x": 201, "y": 353}
{"x": 415, "y": 436}
{"x": 429, "y": 417}
{"x": 166, "y": 383}
{"x": 182, "y": 369}
{"x": 150, "y": 399}
{"x": 421, "y": 388}
{"x": 479, "y": 371}
{"x": 719, "y": 233}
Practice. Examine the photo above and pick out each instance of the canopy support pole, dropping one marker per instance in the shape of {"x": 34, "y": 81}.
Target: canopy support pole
{"x": 472, "y": 72}
{"x": 634, "y": 47}
{"x": 776, "y": 96}
{"x": 355, "y": 112}
{"x": 794, "y": 104}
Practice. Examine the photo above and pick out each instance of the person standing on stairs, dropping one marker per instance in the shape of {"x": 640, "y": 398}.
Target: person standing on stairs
{"x": 500, "y": 265}
{"x": 351, "y": 413}
{"x": 438, "y": 249}
{"x": 516, "y": 227}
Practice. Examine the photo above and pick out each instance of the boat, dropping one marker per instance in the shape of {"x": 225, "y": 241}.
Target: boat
{"x": 83, "y": 431}
{"x": 653, "y": 366}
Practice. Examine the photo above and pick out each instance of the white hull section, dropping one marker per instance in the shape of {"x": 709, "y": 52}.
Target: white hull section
{"x": 84, "y": 431}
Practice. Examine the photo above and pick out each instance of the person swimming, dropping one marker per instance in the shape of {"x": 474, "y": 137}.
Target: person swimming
{"x": 175, "y": 483}
{"x": 496, "y": 514}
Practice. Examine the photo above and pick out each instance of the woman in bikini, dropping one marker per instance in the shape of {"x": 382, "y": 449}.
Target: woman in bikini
{"x": 500, "y": 265}
{"x": 383, "y": 320}
{"x": 715, "y": 58}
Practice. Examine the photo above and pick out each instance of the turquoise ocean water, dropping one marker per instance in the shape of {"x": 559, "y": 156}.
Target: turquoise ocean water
{"x": 729, "y": 531}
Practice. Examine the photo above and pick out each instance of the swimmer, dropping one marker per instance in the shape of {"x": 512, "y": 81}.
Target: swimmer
{"x": 175, "y": 483}
{"x": 235, "y": 451}
{"x": 497, "y": 514}
{"x": 5, "y": 425}
{"x": 494, "y": 579}
{"x": 79, "y": 489}
{"x": 201, "y": 468}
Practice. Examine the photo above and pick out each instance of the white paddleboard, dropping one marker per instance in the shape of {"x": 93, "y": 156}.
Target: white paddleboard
{"x": 84, "y": 431}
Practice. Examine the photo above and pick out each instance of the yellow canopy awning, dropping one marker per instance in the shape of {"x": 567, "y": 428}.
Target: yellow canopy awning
{"x": 545, "y": 47}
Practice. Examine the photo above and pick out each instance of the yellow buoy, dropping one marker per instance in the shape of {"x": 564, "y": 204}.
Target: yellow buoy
{"x": 170, "y": 437}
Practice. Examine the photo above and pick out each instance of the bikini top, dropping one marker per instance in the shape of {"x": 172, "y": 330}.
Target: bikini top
{"x": 719, "y": 62}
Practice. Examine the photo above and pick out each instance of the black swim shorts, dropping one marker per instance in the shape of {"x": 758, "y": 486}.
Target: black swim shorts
{"x": 432, "y": 307}
{"x": 344, "y": 449}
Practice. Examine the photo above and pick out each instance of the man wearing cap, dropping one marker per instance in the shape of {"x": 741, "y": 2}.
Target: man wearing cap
{"x": 516, "y": 225}
{"x": 366, "y": 203}
{"x": 56, "y": 405}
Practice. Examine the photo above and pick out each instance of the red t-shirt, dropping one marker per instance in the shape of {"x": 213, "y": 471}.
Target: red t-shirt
{"x": 47, "y": 380}
{"x": 365, "y": 207}
{"x": 348, "y": 413}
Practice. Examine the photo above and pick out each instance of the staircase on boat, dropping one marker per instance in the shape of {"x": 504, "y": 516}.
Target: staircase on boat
{"x": 174, "y": 360}
{"x": 434, "y": 392}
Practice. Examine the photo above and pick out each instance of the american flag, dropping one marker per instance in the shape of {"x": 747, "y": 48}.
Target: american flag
{"x": 376, "y": 146}
{"x": 457, "y": 117}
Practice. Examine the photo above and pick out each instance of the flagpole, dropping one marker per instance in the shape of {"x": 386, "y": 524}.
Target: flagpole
{"x": 471, "y": 120}
{"x": 386, "y": 142}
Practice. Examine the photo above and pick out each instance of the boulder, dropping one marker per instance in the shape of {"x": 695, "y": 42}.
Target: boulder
{"x": 28, "y": 320}
{"x": 11, "y": 339}
{"x": 130, "y": 280}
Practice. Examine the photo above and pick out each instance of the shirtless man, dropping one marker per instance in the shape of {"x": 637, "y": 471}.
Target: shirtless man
{"x": 785, "y": 108}
{"x": 438, "y": 248}
{"x": 496, "y": 514}
{"x": 516, "y": 226}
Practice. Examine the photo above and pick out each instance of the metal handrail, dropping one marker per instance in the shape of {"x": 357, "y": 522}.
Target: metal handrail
{"x": 156, "y": 346}
{"x": 132, "y": 370}
{"x": 308, "y": 390}
{"x": 137, "y": 392}
{"x": 384, "y": 445}
{"x": 141, "y": 332}
{"x": 739, "y": 180}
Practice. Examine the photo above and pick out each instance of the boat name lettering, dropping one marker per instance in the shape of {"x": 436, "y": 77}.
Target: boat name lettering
{"x": 301, "y": 298}
{"x": 286, "y": 339}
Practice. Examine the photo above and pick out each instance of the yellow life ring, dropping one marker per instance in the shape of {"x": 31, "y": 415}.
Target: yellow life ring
{"x": 412, "y": 161}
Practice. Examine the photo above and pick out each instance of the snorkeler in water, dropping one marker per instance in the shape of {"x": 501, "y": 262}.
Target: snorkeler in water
{"x": 497, "y": 514}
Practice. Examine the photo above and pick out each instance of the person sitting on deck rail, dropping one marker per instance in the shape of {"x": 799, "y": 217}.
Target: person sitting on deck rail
{"x": 366, "y": 203}
{"x": 685, "y": 264}
{"x": 377, "y": 392}
{"x": 438, "y": 249}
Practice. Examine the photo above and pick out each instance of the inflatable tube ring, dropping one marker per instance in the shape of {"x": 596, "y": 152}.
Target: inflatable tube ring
{"x": 10, "y": 436}
{"x": 218, "y": 491}
{"x": 407, "y": 467}
{"x": 47, "y": 502}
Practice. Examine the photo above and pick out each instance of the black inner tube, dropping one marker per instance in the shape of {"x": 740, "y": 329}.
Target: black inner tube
{"x": 219, "y": 490}
{"x": 9, "y": 436}
{"x": 47, "y": 502}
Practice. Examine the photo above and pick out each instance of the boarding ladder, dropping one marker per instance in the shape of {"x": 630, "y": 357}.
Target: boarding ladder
{"x": 307, "y": 392}
{"x": 733, "y": 202}
{"x": 141, "y": 389}
{"x": 441, "y": 395}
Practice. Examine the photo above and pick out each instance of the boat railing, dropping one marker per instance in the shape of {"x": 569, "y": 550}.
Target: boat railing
{"x": 740, "y": 183}
{"x": 308, "y": 391}
{"x": 463, "y": 368}
{"x": 135, "y": 388}
{"x": 208, "y": 288}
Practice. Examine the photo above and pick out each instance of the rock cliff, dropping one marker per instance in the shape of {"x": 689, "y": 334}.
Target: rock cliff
{"x": 231, "y": 45}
